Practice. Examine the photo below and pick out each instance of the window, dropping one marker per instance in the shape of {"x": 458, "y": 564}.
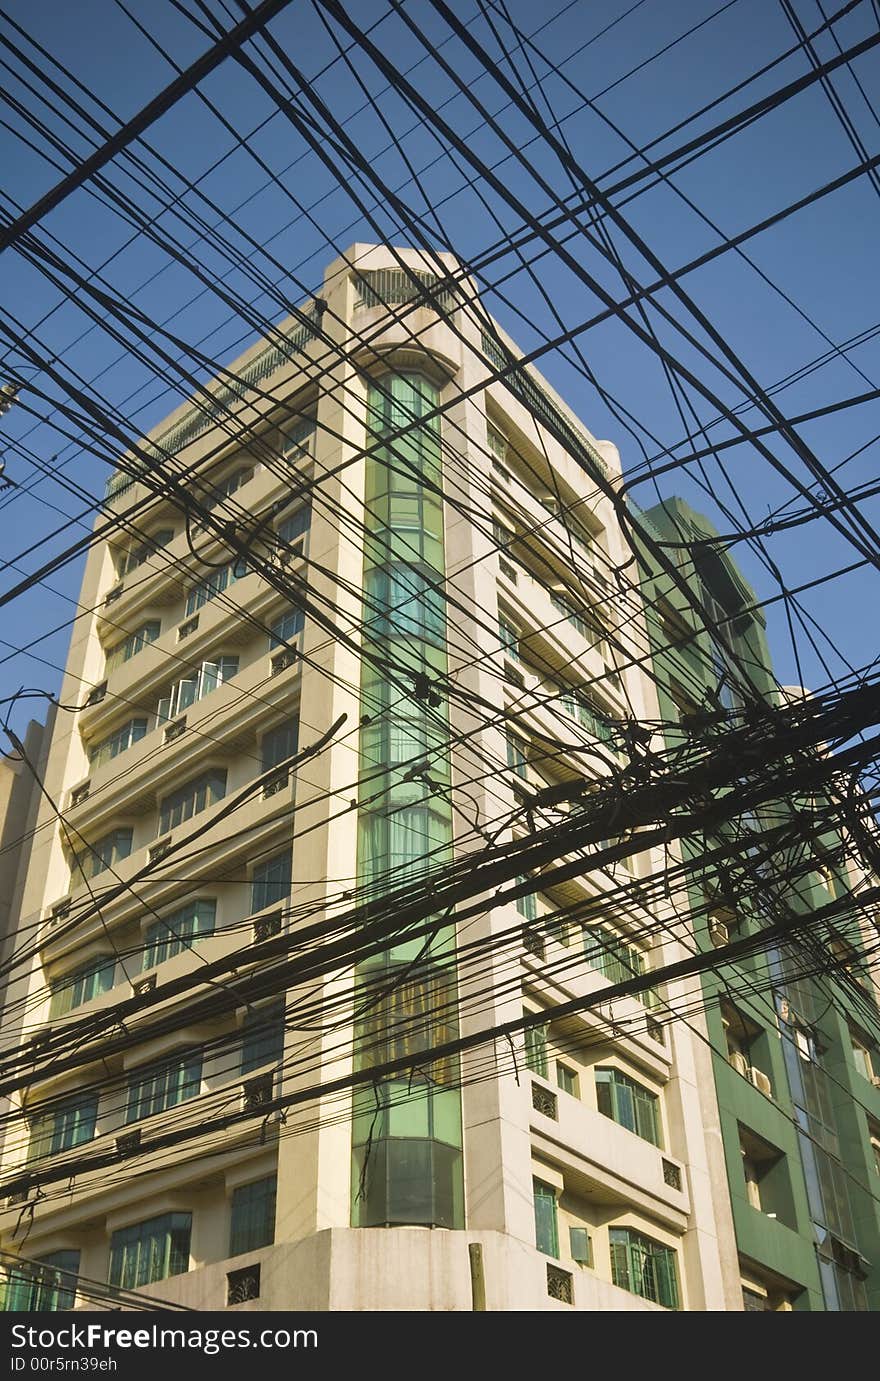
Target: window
{"x": 130, "y": 646}
{"x": 45, "y": 1286}
{"x": 566, "y": 1079}
{"x": 644, "y": 1267}
{"x": 292, "y": 532}
{"x": 874, "y": 1131}
{"x": 214, "y": 585}
{"x": 271, "y": 880}
{"x": 617, "y": 960}
{"x": 164, "y": 939}
{"x": 105, "y": 853}
{"x": 298, "y": 438}
{"x": 191, "y": 799}
{"x": 536, "y": 1048}
{"x": 546, "y": 1232}
{"x": 163, "y": 1086}
{"x": 117, "y": 743}
{"x": 152, "y": 1250}
{"x": 404, "y": 602}
{"x": 68, "y": 1124}
{"x": 629, "y": 1103}
{"x": 262, "y": 1041}
{"x": 222, "y": 490}
{"x": 135, "y": 556}
{"x": 509, "y": 638}
{"x": 580, "y": 1246}
{"x": 403, "y": 844}
{"x": 497, "y": 441}
{"x": 280, "y": 743}
{"x": 253, "y": 1216}
{"x": 197, "y": 684}
{"x": 85, "y": 983}
{"x": 286, "y": 628}
{"x": 864, "y": 1055}
{"x": 574, "y": 616}
{"x": 527, "y": 905}
{"x": 516, "y": 756}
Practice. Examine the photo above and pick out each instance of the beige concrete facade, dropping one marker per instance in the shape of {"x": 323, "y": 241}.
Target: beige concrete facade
{"x": 521, "y": 1124}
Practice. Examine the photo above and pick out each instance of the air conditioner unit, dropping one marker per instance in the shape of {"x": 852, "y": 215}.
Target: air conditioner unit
{"x": 739, "y": 1062}
{"x": 760, "y": 1081}
{"x": 718, "y": 932}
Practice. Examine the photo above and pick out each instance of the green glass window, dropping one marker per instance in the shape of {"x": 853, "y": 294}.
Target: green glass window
{"x": 566, "y": 1079}
{"x": 280, "y": 743}
{"x": 617, "y": 960}
{"x": 191, "y": 799}
{"x": 164, "y": 939}
{"x": 105, "y": 853}
{"x": 152, "y": 1250}
{"x": 629, "y": 1103}
{"x": 572, "y": 614}
{"x": 130, "y": 646}
{"x": 403, "y": 843}
{"x": 509, "y": 638}
{"x": 117, "y": 743}
{"x": 546, "y": 1231}
{"x": 580, "y": 1246}
{"x": 45, "y": 1286}
{"x": 91, "y": 980}
{"x": 405, "y": 603}
{"x": 516, "y": 756}
{"x": 527, "y": 904}
{"x": 644, "y": 1267}
{"x": 68, "y": 1124}
{"x": 163, "y": 1086}
{"x": 262, "y": 1040}
{"x": 270, "y": 882}
{"x": 253, "y": 1216}
{"x": 285, "y": 628}
{"x": 536, "y": 1049}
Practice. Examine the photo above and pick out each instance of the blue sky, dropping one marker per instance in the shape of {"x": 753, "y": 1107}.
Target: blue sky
{"x": 823, "y": 259}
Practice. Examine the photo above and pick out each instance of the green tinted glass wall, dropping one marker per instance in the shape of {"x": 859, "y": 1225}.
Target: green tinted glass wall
{"x": 407, "y": 1157}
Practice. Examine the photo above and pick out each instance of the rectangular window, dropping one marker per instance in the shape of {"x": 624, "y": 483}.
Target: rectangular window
{"x": 629, "y": 1103}
{"x": 546, "y": 1232}
{"x": 864, "y": 1058}
{"x": 298, "y": 439}
{"x": 105, "y": 853}
{"x": 270, "y": 882}
{"x": 286, "y": 628}
{"x": 405, "y": 603}
{"x": 135, "y": 556}
{"x": 527, "y": 905}
{"x": 253, "y": 1216}
{"x": 220, "y": 491}
{"x": 644, "y": 1267}
{"x": 536, "y": 1049}
{"x": 280, "y": 743}
{"x": 617, "y": 960}
{"x": 149, "y": 1251}
{"x": 294, "y": 529}
{"x": 163, "y": 1086}
{"x": 516, "y": 756}
{"x": 191, "y": 799}
{"x": 566, "y": 1079}
{"x": 117, "y": 743}
{"x": 196, "y": 685}
{"x": 214, "y": 585}
{"x": 130, "y": 646}
{"x": 69, "y": 1124}
{"x": 45, "y": 1286}
{"x": 574, "y": 616}
{"x": 509, "y": 638}
{"x": 85, "y": 983}
{"x": 262, "y": 1040}
{"x": 189, "y": 923}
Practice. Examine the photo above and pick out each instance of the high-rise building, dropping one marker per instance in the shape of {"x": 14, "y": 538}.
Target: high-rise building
{"x": 368, "y": 619}
{"x": 794, "y": 1026}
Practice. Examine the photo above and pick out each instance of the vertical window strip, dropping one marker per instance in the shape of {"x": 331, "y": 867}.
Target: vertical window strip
{"x": 271, "y": 881}
{"x": 546, "y": 1229}
{"x": 253, "y": 1216}
{"x": 536, "y": 1048}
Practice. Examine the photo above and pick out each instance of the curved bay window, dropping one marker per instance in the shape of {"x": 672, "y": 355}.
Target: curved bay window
{"x": 407, "y": 1136}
